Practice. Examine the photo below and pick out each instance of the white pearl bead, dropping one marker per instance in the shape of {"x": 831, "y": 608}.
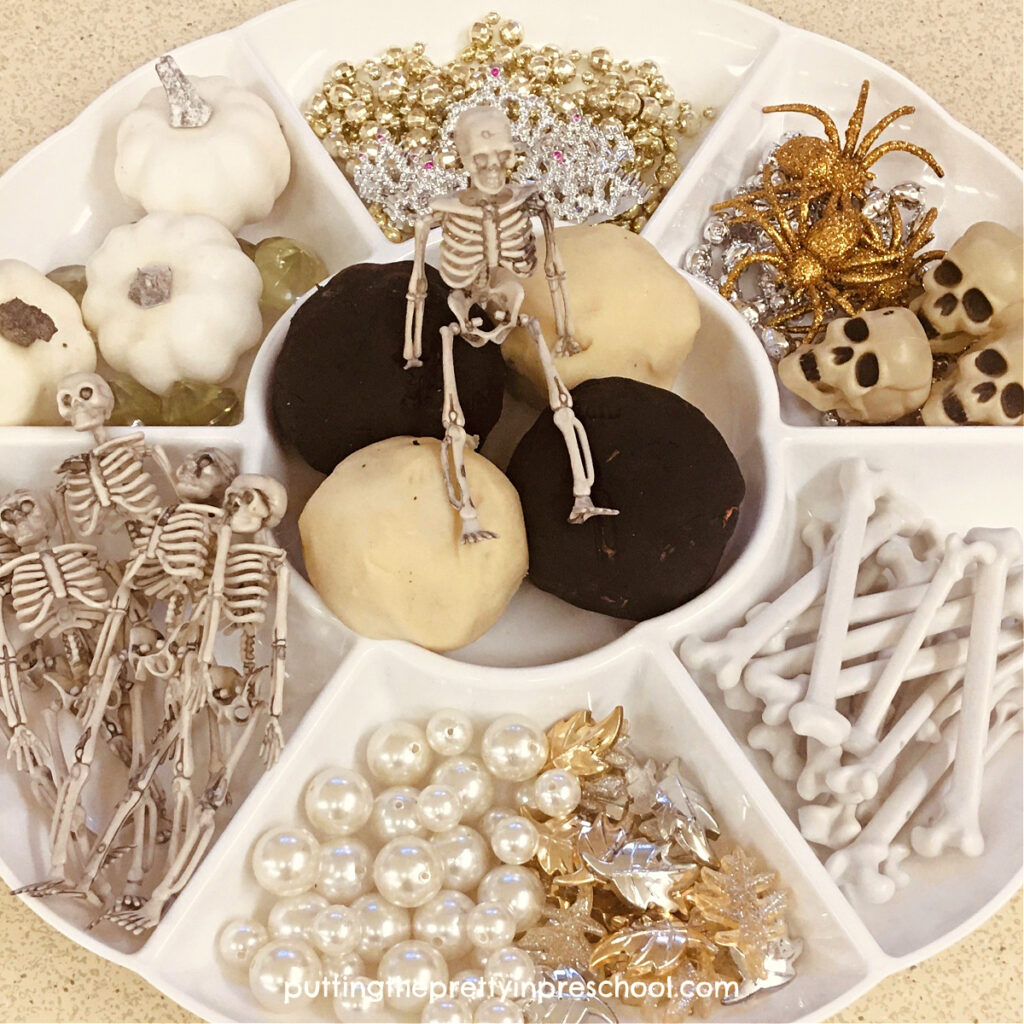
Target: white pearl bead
{"x": 336, "y": 931}
{"x": 498, "y": 1011}
{"x": 382, "y": 924}
{"x": 358, "y": 1002}
{"x": 441, "y": 923}
{"x": 338, "y": 801}
{"x": 398, "y": 753}
{"x": 348, "y": 965}
{"x": 277, "y": 968}
{"x": 471, "y": 985}
{"x": 408, "y": 971}
{"x": 514, "y": 748}
{"x": 396, "y": 813}
{"x": 238, "y": 941}
{"x": 490, "y": 819}
{"x": 514, "y": 840}
{"x": 447, "y": 1010}
{"x": 408, "y": 872}
{"x": 345, "y": 869}
{"x": 439, "y": 808}
{"x": 519, "y": 889}
{"x": 490, "y": 925}
{"x": 293, "y": 917}
{"x": 523, "y": 794}
{"x": 464, "y": 856}
{"x": 510, "y": 970}
{"x": 471, "y": 780}
{"x": 450, "y": 732}
{"x": 285, "y": 860}
{"x": 557, "y": 793}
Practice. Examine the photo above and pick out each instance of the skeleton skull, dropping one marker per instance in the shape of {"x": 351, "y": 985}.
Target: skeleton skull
{"x": 85, "y": 401}
{"x": 27, "y": 520}
{"x": 873, "y": 368}
{"x": 986, "y": 386}
{"x": 255, "y": 503}
{"x": 204, "y": 475}
{"x": 483, "y": 138}
{"x": 980, "y": 277}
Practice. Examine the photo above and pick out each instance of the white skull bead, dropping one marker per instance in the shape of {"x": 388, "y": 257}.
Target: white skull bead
{"x": 872, "y": 368}
{"x": 978, "y": 279}
{"x": 986, "y": 386}
{"x": 85, "y": 401}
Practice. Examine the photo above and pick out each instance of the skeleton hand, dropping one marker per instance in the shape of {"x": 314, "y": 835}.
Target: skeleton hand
{"x": 273, "y": 742}
{"x": 28, "y": 753}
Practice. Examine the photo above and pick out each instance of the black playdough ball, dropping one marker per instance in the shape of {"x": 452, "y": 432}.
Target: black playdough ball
{"x": 666, "y": 468}
{"x": 339, "y": 383}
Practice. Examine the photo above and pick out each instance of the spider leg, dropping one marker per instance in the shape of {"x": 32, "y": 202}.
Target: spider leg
{"x": 869, "y": 137}
{"x": 789, "y": 314}
{"x": 805, "y": 108}
{"x": 780, "y": 214}
{"x": 748, "y": 261}
{"x": 856, "y": 121}
{"x": 899, "y": 145}
{"x": 836, "y": 296}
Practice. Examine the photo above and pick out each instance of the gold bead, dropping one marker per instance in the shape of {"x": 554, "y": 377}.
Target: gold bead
{"x": 335, "y": 122}
{"x": 320, "y": 105}
{"x": 563, "y": 70}
{"x": 665, "y": 95}
{"x": 389, "y": 91}
{"x": 448, "y": 160}
{"x": 627, "y": 105}
{"x": 339, "y": 95}
{"x": 511, "y": 33}
{"x": 432, "y": 96}
{"x": 492, "y": 18}
{"x": 372, "y": 70}
{"x": 625, "y": 66}
{"x": 550, "y": 52}
{"x": 600, "y": 59}
{"x": 337, "y": 147}
{"x": 459, "y": 74}
{"x": 387, "y": 118}
{"x": 709, "y": 113}
{"x": 478, "y": 78}
{"x": 666, "y": 175}
{"x": 369, "y": 130}
{"x": 418, "y": 49}
{"x": 671, "y": 144}
{"x": 638, "y": 222}
{"x": 343, "y": 71}
{"x": 501, "y": 55}
{"x": 566, "y": 105}
{"x": 651, "y": 111}
{"x": 356, "y": 112}
{"x": 519, "y": 82}
{"x": 588, "y": 77}
{"x": 480, "y": 33}
{"x": 467, "y": 56}
{"x": 393, "y": 57}
{"x": 539, "y": 68}
{"x": 639, "y": 86}
{"x": 416, "y": 117}
{"x": 652, "y": 204}
{"x": 648, "y": 68}
{"x": 319, "y": 127}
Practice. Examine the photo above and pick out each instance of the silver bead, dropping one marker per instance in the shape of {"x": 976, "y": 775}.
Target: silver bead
{"x": 716, "y": 230}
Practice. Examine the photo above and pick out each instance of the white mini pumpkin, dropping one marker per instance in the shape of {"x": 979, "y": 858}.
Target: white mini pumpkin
{"x": 172, "y": 297}
{"x": 232, "y": 167}
{"x": 42, "y": 340}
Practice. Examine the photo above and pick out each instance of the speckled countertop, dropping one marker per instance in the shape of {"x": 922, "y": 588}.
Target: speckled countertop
{"x": 55, "y": 57}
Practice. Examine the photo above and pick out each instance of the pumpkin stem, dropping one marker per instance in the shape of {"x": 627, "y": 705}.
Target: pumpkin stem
{"x": 188, "y": 108}
{"x": 24, "y": 324}
{"x": 151, "y": 285}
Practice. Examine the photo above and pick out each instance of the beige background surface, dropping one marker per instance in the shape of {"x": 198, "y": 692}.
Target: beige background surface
{"x": 55, "y": 57}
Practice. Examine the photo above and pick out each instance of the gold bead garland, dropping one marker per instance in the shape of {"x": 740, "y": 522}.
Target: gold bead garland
{"x": 406, "y": 93}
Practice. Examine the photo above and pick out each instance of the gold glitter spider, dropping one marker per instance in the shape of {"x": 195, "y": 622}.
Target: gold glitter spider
{"x": 815, "y": 168}
{"x": 840, "y": 260}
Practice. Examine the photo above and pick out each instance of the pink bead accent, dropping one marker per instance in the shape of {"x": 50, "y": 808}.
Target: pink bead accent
{"x": 429, "y": 165}
{"x": 495, "y": 72}
{"x": 559, "y": 157}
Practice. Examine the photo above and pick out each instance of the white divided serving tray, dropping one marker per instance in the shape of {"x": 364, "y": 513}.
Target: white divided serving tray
{"x": 543, "y": 657}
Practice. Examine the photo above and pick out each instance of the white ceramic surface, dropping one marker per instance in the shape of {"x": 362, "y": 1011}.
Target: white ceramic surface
{"x": 544, "y": 657}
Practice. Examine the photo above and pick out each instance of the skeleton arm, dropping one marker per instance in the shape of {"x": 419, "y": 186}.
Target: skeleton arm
{"x": 273, "y": 741}
{"x": 554, "y": 271}
{"x": 215, "y": 596}
{"x": 23, "y": 745}
{"x": 416, "y": 296}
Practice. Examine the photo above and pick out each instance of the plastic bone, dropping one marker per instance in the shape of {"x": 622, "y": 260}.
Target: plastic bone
{"x": 722, "y": 661}
{"x": 487, "y": 247}
{"x": 902, "y": 563}
{"x": 834, "y": 825}
{"x": 782, "y": 745}
{"x": 958, "y": 824}
{"x": 821, "y": 759}
{"x": 958, "y": 556}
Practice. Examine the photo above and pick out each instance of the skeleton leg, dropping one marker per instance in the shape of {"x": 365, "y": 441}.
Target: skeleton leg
{"x": 453, "y": 448}
{"x": 576, "y": 442}
{"x": 136, "y": 914}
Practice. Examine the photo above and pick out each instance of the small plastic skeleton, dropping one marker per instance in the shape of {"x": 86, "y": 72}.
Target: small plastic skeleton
{"x": 110, "y": 481}
{"x": 487, "y": 246}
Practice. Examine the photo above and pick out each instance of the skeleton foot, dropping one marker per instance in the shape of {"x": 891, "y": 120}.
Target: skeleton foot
{"x": 583, "y": 509}
{"x": 135, "y": 914}
{"x": 27, "y": 750}
{"x": 411, "y": 364}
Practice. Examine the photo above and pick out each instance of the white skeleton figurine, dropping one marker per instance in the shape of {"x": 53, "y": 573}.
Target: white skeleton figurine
{"x": 244, "y": 574}
{"x": 110, "y": 482}
{"x": 487, "y": 246}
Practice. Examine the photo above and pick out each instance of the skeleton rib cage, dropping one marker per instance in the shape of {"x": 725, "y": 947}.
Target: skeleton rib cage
{"x": 248, "y": 577}
{"x": 56, "y": 591}
{"x": 182, "y": 558}
{"x": 109, "y": 477}
{"x": 477, "y": 239}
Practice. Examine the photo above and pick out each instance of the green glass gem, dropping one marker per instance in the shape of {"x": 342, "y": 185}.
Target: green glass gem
{"x": 133, "y": 403}
{"x": 193, "y": 403}
{"x": 71, "y": 278}
{"x": 249, "y": 248}
{"x": 288, "y": 269}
